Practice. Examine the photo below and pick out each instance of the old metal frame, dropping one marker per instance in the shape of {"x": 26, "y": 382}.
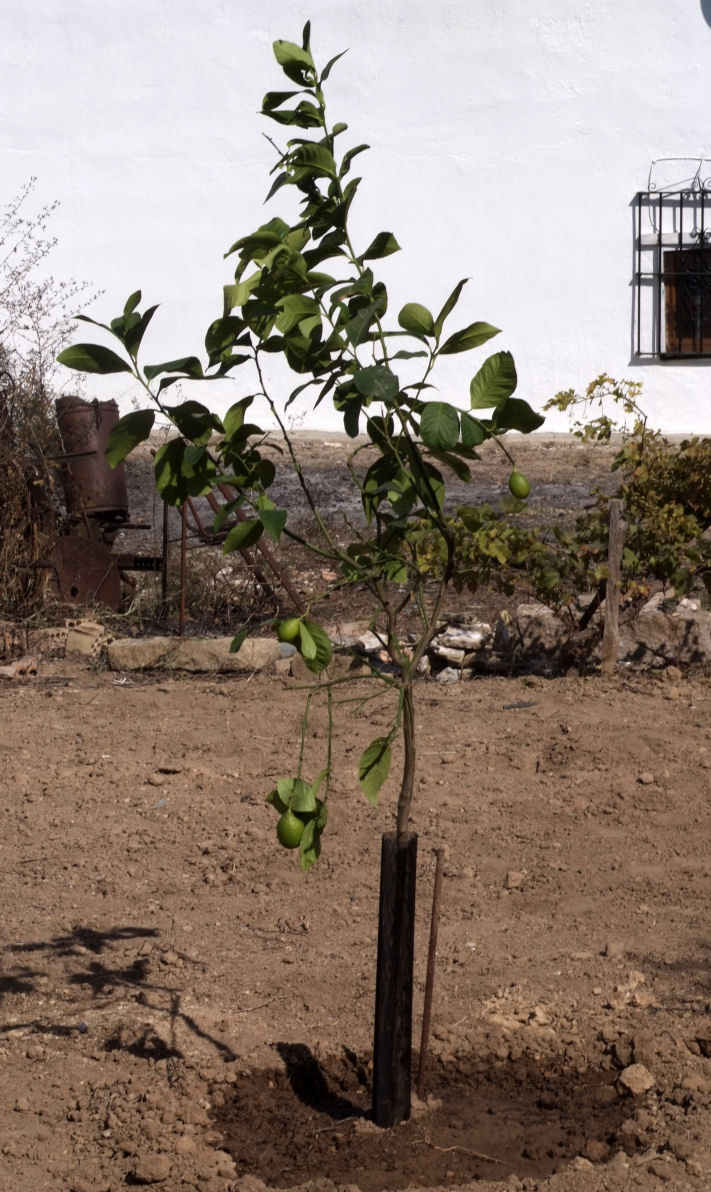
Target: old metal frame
{"x": 672, "y": 275}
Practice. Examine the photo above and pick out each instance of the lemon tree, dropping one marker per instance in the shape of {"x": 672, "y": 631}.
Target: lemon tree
{"x": 305, "y": 288}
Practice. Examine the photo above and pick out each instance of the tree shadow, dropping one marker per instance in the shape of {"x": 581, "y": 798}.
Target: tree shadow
{"x": 706, "y": 10}
{"x": 94, "y": 967}
{"x": 18, "y": 980}
{"x": 695, "y": 968}
{"x": 309, "y": 1084}
{"x": 82, "y": 938}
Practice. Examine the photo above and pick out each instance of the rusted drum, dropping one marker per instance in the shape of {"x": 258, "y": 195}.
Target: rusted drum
{"x": 91, "y": 487}
{"x": 87, "y": 572}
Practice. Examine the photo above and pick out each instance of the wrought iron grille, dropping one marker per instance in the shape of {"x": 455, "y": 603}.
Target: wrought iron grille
{"x": 672, "y": 317}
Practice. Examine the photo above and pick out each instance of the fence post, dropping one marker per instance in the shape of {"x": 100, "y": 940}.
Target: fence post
{"x": 611, "y": 631}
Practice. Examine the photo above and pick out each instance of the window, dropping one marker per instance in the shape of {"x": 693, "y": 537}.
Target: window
{"x": 686, "y": 283}
{"x": 673, "y": 265}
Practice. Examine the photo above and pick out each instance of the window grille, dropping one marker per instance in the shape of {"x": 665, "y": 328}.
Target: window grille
{"x": 673, "y": 265}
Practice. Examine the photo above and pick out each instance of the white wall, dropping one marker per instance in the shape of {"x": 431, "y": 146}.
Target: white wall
{"x": 508, "y": 140}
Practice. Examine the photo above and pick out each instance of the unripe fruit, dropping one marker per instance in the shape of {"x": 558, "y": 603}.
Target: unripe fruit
{"x": 519, "y": 485}
{"x": 288, "y": 630}
{"x": 290, "y": 829}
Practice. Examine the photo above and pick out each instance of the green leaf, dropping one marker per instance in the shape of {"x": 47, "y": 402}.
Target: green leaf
{"x": 93, "y": 358}
{"x": 274, "y": 799}
{"x": 131, "y": 303}
{"x": 194, "y": 421}
{"x": 297, "y": 64}
{"x": 273, "y": 521}
{"x": 471, "y": 516}
{"x": 222, "y": 335}
{"x": 439, "y": 426}
{"x": 348, "y": 158}
{"x": 189, "y": 365}
{"x": 382, "y": 246}
{"x": 274, "y": 99}
{"x": 303, "y": 800}
{"x": 310, "y": 843}
{"x": 374, "y": 768}
{"x": 129, "y": 431}
{"x": 469, "y": 337}
{"x": 494, "y": 383}
{"x": 516, "y": 414}
{"x": 314, "y": 158}
{"x": 198, "y": 471}
{"x": 237, "y": 640}
{"x": 377, "y": 382}
{"x": 285, "y": 789}
{"x": 416, "y": 319}
{"x": 454, "y": 463}
{"x": 295, "y": 309}
{"x": 168, "y": 472}
{"x": 134, "y": 334}
{"x": 307, "y": 645}
{"x": 318, "y": 781}
{"x": 244, "y": 535}
{"x": 356, "y": 328}
{"x": 323, "y": 650}
{"x": 449, "y": 307}
{"x": 327, "y": 70}
{"x": 233, "y": 420}
{"x": 473, "y": 433}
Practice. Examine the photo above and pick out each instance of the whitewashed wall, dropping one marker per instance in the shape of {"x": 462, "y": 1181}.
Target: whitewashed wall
{"x": 508, "y": 140}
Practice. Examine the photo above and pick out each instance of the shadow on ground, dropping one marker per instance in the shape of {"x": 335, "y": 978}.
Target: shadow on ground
{"x": 484, "y": 1120}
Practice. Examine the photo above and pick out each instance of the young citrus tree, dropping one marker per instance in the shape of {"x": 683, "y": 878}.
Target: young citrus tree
{"x": 305, "y": 290}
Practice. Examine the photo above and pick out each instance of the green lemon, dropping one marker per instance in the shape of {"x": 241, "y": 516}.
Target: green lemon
{"x": 288, "y": 630}
{"x": 290, "y": 829}
{"x": 519, "y": 485}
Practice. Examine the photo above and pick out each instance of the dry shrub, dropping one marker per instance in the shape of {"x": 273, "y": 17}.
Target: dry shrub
{"x": 36, "y": 315}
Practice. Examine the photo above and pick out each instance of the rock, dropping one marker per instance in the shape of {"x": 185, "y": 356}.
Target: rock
{"x": 657, "y": 638}
{"x": 514, "y": 879}
{"x": 663, "y": 1169}
{"x": 636, "y": 1080}
{"x": 152, "y": 1169}
{"x": 696, "y": 1082}
{"x": 192, "y": 654}
{"x": 465, "y": 638}
{"x": 532, "y": 630}
{"x": 448, "y": 675}
{"x": 450, "y": 653}
{"x": 613, "y": 948}
{"x": 88, "y": 1181}
{"x": 596, "y": 1150}
{"x": 580, "y": 1163}
{"x": 646, "y": 778}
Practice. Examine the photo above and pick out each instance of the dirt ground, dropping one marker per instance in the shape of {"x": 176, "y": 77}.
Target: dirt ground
{"x": 181, "y": 1007}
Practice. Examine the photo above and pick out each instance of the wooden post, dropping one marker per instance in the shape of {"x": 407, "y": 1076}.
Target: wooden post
{"x": 183, "y": 562}
{"x": 611, "y": 631}
{"x": 392, "y": 1046}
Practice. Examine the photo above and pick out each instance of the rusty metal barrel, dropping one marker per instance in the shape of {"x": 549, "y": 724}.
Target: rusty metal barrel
{"x": 91, "y": 487}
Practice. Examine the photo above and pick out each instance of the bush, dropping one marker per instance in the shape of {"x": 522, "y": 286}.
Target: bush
{"x": 666, "y": 488}
{"x": 36, "y": 315}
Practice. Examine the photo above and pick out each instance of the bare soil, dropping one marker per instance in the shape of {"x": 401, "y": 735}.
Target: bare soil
{"x": 179, "y": 1006}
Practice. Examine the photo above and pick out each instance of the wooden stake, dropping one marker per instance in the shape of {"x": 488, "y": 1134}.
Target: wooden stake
{"x": 183, "y": 562}
{"x": 429, "y": 982}
{"x": 611, "y": 632}
{"x": 392, "y": 1044}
